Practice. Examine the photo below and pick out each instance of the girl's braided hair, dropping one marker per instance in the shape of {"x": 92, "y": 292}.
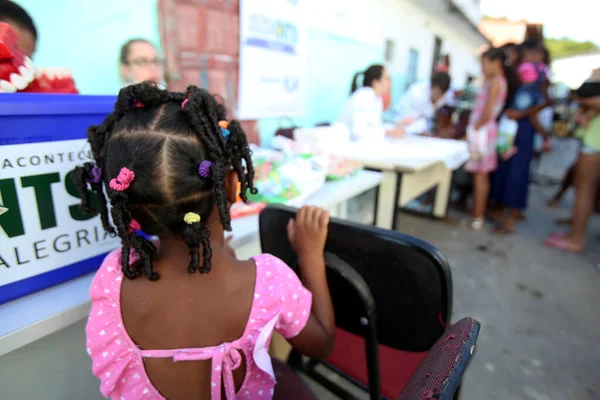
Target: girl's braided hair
{"x": 163, "y": 143}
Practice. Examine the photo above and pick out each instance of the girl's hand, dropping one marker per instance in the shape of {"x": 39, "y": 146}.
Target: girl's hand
{"x": 308, "y": 232}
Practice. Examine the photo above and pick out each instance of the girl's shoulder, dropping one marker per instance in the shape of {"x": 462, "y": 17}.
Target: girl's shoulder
{"x": 280, "y": 289}
{"x": 269, "y": 266}
{"x": 108, "y": 278}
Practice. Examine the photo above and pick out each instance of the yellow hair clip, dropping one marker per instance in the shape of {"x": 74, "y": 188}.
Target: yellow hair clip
{"x": 191, "y": 218}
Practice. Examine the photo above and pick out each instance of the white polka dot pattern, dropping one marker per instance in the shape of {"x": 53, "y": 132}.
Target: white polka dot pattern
{"x": 118, "y": 362}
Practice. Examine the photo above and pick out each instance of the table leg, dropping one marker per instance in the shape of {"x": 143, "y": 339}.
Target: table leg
{"x": 386, "y": 200}
{"x": 442, "y": 196}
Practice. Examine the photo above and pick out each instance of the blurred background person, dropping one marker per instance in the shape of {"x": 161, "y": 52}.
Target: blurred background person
{"x": 585, "y": 174}
{"x": 18, "y": 42}
{"x": 140, "y": 62}
{"x": 363, "y": 111}
{"x": 416, "y": 109}
{"x": 483, "y": 122}
{"x": 22, "y": 24}
{"x": 512, "y": 52}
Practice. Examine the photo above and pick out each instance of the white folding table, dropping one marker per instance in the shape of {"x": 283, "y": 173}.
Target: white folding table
{"x": 410, "y": 167}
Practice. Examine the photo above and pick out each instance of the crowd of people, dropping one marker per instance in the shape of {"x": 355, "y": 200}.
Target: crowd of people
{"x": 506, "y": 123}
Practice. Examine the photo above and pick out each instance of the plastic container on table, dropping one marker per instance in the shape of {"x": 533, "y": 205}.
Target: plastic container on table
{"x": 44, "y": 237}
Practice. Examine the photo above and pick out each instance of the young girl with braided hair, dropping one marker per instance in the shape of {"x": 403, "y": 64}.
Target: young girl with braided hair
{"x": 170, "y": 164}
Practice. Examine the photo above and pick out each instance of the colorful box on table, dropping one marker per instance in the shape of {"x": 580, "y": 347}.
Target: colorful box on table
{"x": 45, "y": 239}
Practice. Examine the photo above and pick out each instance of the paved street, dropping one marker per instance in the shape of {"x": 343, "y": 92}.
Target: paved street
{"x": 539, "y": 337}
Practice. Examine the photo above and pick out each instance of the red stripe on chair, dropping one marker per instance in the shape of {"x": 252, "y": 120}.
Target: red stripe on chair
{"x": 396, "y": 366}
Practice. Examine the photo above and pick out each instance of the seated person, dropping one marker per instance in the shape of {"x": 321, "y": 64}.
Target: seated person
{"x": 416, "y": 109}
{"x": 444, "y": 126}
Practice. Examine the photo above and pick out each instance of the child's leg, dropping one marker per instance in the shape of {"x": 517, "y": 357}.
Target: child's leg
{"x": 587, "y": 180}
{"x": 567, "y": 182}
{"x": 481, "y": 191}
{"x": 508, "y": 226}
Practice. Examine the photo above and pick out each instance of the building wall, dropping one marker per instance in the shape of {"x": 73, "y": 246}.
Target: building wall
{"x": 333, "y": 58}
{"x": 335, "y": 50}
{"x": 86, "y": 36}
{"x": 410, "y": 26}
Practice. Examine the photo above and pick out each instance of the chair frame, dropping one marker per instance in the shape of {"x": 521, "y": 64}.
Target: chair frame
{"x": 342, "y": 268}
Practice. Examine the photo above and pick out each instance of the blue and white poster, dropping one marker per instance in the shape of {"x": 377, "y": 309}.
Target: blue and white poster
{"x": 45, "y": 238}
{"x": 273, "y": 41}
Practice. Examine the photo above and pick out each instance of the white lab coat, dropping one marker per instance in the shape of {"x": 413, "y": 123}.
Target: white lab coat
{"x": 416, "y": 103}
{"x": 363, "y": 115}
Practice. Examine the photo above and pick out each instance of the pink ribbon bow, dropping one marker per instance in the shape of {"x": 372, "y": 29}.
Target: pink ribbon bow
{"x": 225, "y": 359}
{"x": 123, "y": 180}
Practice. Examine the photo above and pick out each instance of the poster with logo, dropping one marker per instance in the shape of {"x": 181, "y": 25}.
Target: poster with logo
{"x": 273, "y": 41}
{"x": 45, "y": 238}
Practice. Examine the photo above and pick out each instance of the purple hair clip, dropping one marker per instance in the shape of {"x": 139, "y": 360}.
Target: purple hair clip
{"x": 96, "y": 174}
{"x": 204, "y": 169}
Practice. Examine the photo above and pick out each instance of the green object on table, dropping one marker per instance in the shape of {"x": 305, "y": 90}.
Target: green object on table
{"x": 333, "y": 177}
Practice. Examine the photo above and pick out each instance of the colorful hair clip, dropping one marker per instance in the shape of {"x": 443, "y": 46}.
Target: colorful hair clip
{"x": 183, "y": 103}
{"x": 134, "y": 226}
{"x": 224, "y": 125}
{"x": 137, "y": 104}
{"x": 204, "y": 169}
{"x": 96, "y": 175}
{"x": 123, "y": 180}
{"x": 191, "y": 218}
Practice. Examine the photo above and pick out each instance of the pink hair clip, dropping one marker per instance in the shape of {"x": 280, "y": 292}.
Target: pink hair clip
{"x": 137, "y": 104}
{"x": 134, "y": 226}
{"x": 183, "y": 103}
{"x": 123, "y": 180}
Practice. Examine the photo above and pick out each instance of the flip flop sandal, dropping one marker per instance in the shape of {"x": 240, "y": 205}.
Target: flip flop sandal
{"x": 559, "y": 243}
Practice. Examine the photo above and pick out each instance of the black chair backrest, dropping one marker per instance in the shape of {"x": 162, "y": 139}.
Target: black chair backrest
{"x": 409, "y": 280}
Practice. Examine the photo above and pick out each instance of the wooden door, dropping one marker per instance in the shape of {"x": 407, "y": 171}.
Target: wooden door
{"x": 201, "y": 43}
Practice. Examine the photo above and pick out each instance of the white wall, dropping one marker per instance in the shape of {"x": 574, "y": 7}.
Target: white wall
{"x": 411, "y": 26}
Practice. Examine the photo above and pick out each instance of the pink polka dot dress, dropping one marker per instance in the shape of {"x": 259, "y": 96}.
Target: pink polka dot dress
{"x": 280, "y": 304}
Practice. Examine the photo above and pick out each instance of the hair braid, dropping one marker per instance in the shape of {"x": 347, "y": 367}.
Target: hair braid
{"x": 241, "y": 151}
{"x": 196, "y": 235}
{"x": 204, "y": 119}
{"x": 147, "y": 253}
{"x": 81, "y": 177}
{"x": 122, "y": 219}
{"x": 147, "y": 108}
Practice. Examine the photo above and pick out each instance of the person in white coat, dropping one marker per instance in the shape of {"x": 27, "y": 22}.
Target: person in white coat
{"x": 415, "y": 110}
{"x": 363, "y": 112}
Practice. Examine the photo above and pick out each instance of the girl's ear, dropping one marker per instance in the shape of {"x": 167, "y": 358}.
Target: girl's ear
{"x": 231, "y": 186}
